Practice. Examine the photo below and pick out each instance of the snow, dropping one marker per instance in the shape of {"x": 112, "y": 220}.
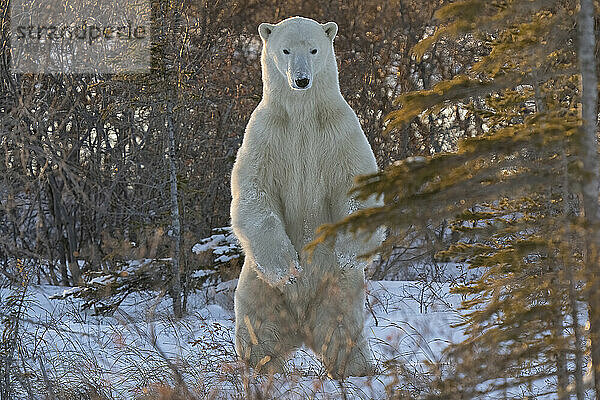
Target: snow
{"x": 200, "y": 247}
{"x": 101, "y": 280}
{"x": 134, "y": 351}
{"x": 131, "y": 351}
{"x": 222, "y": 244}
{"x": 202, "y": 273}
{"x": 222, "y": 259}
{"x": 65, "y": 293}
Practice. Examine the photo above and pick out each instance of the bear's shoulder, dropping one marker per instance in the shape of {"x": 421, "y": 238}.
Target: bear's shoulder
{"x": 267, "y": 115}
{"x": 265, "y": 124}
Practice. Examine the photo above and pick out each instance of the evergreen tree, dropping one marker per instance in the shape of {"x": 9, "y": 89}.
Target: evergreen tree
{"x": 510, "y": 192}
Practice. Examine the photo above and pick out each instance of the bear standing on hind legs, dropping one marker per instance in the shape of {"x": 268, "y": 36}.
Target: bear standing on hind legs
{"x": 302, "y": 148}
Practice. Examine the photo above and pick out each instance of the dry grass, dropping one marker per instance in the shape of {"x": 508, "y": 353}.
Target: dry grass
{"x": 68, "y": 354}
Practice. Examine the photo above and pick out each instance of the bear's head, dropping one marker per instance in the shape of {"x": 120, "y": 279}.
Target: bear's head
{"x": 300, "y": 49}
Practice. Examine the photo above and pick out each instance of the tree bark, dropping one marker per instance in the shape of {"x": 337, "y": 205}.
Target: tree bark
{"x": 590, "y": 184}
{"x": 570, "y": 277}
{"x": 175, "y": 221}
{"x": 578, "y": 373}
{"x": 561, "y": 358}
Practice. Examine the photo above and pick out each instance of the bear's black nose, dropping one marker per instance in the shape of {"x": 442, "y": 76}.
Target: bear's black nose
{"x": 302, "y": 82}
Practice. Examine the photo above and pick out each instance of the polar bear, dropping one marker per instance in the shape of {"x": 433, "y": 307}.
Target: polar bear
{"x": 302, "y": 148}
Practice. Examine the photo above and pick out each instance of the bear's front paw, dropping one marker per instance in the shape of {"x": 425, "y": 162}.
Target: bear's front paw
{"x": 290, "y": 276}
{"x": 281, "y": 270}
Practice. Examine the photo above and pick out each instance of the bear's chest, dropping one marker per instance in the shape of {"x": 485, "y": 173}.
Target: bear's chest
{"x": 307, "y": 164}
{"x": 304, "y": 168}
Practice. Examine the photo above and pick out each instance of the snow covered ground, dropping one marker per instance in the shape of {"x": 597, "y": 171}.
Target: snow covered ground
{"x": 141, "y": 348}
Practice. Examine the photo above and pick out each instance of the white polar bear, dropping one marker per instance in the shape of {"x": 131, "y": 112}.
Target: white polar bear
{"x": 302, "y": 148}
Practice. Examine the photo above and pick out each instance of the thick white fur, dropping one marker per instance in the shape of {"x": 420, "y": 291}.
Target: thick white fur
{"x": 300, "y": 154}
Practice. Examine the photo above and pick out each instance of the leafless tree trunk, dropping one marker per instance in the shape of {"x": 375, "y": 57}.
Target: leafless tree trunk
{"x": 170, "y": 30}
{"x": 175, "y": 222}
{"x": 570, "y": 280}
{"x": 561, "y": 357}
{"x": 558, "y": 320}
{"x": 590, "y": 187}
{"x": 578, "y": 373}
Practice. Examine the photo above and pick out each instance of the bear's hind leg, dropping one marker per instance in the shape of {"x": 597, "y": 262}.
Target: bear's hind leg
{"x": 264, "y": 335}
{"x": 335, "y": 331}
{"x": 343, "y": 349}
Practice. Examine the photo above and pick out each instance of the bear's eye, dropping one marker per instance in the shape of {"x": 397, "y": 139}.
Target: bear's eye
{"x": 286, "y": 51}
{"x": 313, "y": 51}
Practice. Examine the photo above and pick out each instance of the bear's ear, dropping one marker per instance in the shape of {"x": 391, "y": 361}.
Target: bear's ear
{"x": 265, "y": 30}
{"x": 331, "y": 29}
